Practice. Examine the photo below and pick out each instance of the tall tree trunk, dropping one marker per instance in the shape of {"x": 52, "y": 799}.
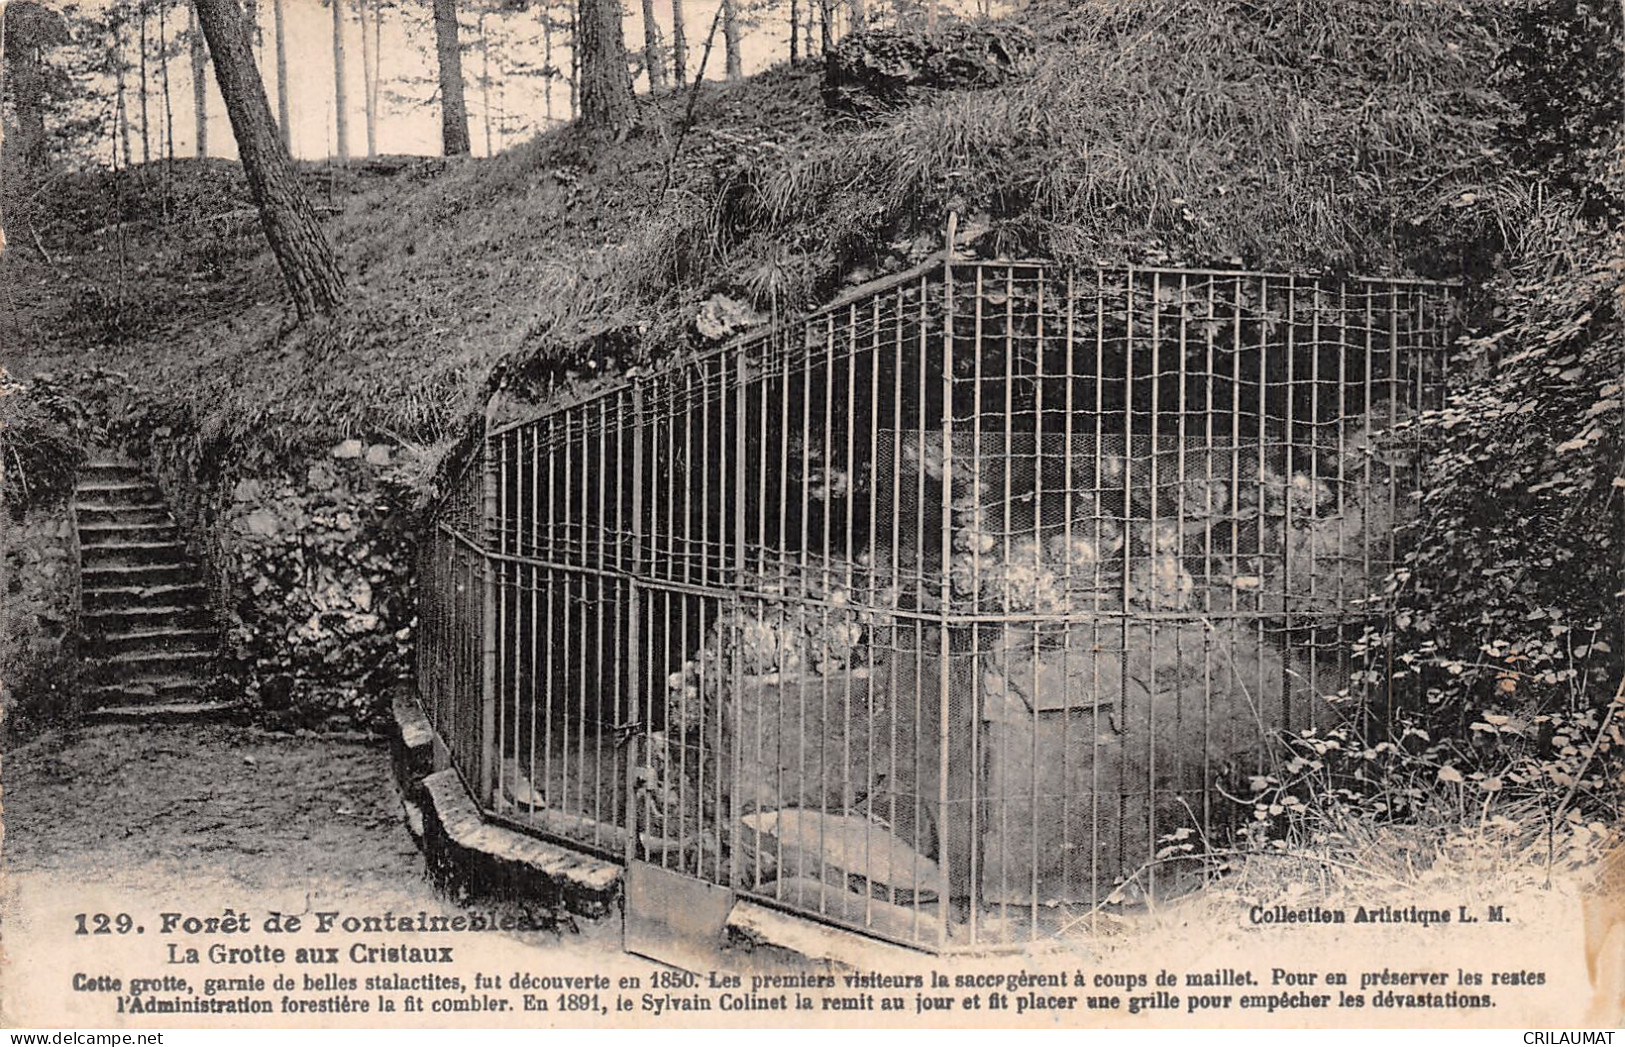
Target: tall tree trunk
{"x": 377, "y": 60}
{"x": 653, "y": 64}
{"x": 547, "y": 66}
{"x": 679, "y": 44}
{"x": 123, "y": 112}
{"x": 146, "y": 134}
{"x": 296, "y": 238}
{"x": 200, "y": 83}
{"x": 795, "y": 31}
{"x": 485, "y": 85}
{"x": 730, "y": 38}
{"x": 163, "y": 78}
{"x": 860, "y": 16}
{"x": 26, "y": 75}
{"x": 826, "y": 34}
{"x": 575, "y": 58}
{"x": 606, "y": 88}
{"x": 453, "y": 110}
{"x": 369, "y": 80}
{"x": 341, "y": 116}
{"x": 283, "y": 121}
{"x": 251, "y": 22}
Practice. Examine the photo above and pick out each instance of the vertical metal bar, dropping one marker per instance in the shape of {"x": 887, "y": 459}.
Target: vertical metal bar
{"x": 1288, "y": 521}
{"x": 944, "y": 673}
{"x": 825, "y": 555}
{"x": 535, "y": 463}
{"x": 1007, "y": 451}
{"x": 806, "y": 434}
{"x": 979, "y": 520}
{"x": 1038, "y": 556}
{"x": 783, "y": 571}
{"x": 1263, "y": 457}
{"x": 736, "y": 733}
{"x": 709, "y": 711}
{"x": 635, "y": 666}
{"x": 601, "y": 666}
{"x": 1315, "y": 637}
{"x": 1129, "y": 601}
{"x": 1392, "y": 474}
{"x": 1367, "y": 574}
{"x": 1074, "y": 605}
{"x": 848, "y": 555}
{"x": 1098, "y": 482}
{"x": 1344, "y": 664}
{"x": 555, "y": 617}
{"x": 488, "y": 598}
{"x": 505, "y": 604}
{"x": 1209, "y": 455}
{"x": 872, "y": 587}
{"x": 1154, "y": 532}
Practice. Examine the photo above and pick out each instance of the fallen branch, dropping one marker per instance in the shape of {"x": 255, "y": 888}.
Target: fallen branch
{"x": 39, "y": 245}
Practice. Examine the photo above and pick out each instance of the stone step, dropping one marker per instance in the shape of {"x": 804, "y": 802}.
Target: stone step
{"x": 150, "y": 713}
{"x": 153, "y": 512}
{"x": 132, "y": 554}
{"x": 149, "y": 637}
{"x": 101, "y": 576}
{"x": 157, "y": 690}
{"x": 125, "y": 531}
{"x": 141, "y": 667}
{"x": 112, "y": 472}
{"x": 143, "y": 600}
{"x": 113, "y": 621}
{"x": 113, "y": 495}
{"x": 153, "y": 638}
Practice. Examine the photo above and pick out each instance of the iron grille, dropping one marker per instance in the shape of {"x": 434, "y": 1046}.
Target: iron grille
{"x": 939, "y": 612}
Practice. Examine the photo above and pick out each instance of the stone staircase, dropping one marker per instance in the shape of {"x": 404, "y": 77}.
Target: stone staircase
{"x": 148, "y": 637}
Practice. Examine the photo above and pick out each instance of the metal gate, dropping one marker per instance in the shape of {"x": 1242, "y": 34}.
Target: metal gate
{"x": 938, "y": 613}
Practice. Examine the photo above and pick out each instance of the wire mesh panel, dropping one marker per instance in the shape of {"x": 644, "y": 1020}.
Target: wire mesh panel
{"x": 962, "y": 607}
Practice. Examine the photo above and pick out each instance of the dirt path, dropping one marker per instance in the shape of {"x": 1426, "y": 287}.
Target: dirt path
{"x": 225, "y": 804}
{"x": 147, "y": 819}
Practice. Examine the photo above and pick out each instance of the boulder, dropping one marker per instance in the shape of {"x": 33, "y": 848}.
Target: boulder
{"x": 885, "y": 69}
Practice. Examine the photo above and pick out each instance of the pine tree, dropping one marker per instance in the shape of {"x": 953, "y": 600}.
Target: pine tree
{"x": 284, "y": 122}
{"x": 606, "y": 89}
{"x": 341, "y": 118}
{"x": 730, "y": 38}
{"x": 308, "y": 265}
{"x": 453, "y": 110}
{"x": 369, "y": 77}
{"x": 653, "y": 64}
{"x": 679, "y": 44}
{"x": 200, "y": 83}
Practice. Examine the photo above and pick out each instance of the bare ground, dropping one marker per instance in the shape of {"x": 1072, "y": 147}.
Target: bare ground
{"x": 199, "y": 817}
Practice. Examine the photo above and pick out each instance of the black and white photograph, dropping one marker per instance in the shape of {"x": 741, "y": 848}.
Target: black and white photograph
{"x": 834, "y": 514}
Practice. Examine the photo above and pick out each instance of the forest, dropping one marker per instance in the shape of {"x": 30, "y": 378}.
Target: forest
{"x": 289, "y": 283}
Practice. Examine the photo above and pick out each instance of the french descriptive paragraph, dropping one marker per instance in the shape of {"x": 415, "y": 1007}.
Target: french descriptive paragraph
{"x": 325, "y": 964}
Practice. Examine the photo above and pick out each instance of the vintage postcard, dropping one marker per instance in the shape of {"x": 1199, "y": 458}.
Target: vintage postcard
{"x": 812, "y": 513}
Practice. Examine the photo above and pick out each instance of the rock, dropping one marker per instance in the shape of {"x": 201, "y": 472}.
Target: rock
{"x": 261, "y": 522}
{"x": 248, "y": 491}
{"x": 883, "y": 69}
{"x": 721, "y": 316}
{"x": 378, "y": 454}
{"x": 347, "y": 449}
{"x": 321, "y": 478}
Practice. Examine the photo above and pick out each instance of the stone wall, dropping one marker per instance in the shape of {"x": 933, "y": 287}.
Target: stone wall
{"x": 38, "y": 616}
{"x": 310, "y": 565}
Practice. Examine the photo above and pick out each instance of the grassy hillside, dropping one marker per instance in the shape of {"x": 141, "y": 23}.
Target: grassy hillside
{"x": 1306, "y": 134}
